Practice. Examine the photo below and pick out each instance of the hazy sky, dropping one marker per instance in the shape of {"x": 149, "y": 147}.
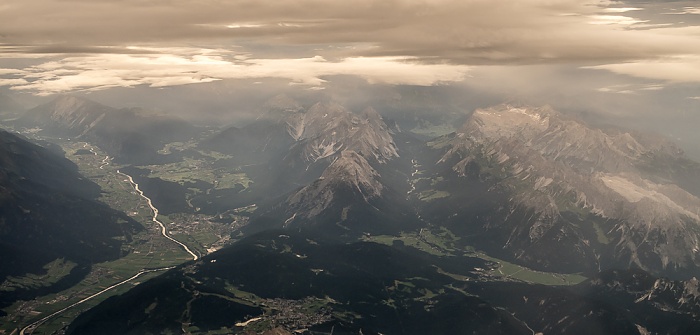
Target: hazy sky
{"x": 67, "y": 45}
{"x": 633, "y": 58}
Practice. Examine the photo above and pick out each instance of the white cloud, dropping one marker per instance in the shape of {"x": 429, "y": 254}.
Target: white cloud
{"x": 621, "y": 9}
{"x": 631, "y": 88}
{"x": 11, "y": 72}
{"x": 652, "y": 87}
{"x": 89, "y": 45}
{"x": 12, "y": 81}
{"x": 95, "y": 72}
{"x": 651, "y": 25}
{"x": 614, "y": 19}
{"x": 685, "y": 10}
{"x": 244, "y": 25}
{"x": 679, "y": 69}
{"x": 616, "y": 90}
{"x": 460, "y": 31}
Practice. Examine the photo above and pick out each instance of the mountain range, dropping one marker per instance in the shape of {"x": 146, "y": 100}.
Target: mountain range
{"x": 529, "y": 184}
{"x": 129, "y": 134}
{"x": 600, "y": 198}
{"x": 359, "y": 226}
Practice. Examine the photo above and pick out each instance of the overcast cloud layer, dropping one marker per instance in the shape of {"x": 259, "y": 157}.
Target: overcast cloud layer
{"x": 74, "y": 45}
{"x": 634, "y": 63}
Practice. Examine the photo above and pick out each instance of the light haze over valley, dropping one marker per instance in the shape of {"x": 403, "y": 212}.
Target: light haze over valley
{"x": 370, "y": 167}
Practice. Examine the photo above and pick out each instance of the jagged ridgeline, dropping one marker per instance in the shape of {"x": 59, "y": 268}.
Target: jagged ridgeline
{"x": 315, "y": 166}
{"x": 558, "y": 194}
{"x": 352, "y": 224}
{"x": 528, "y": 184}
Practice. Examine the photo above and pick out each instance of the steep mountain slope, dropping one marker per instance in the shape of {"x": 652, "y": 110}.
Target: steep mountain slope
{"x": 660, "y": 305}
{"x": 327, "y": 129}
{"x": 290, "y": 147}
{"x": 349, "y": 199}
{"x": 302, "y": 283}
{"x": 257, "y": 143}
{"x": 49, "y": 212}
{"x": 305, "y": 285}
{"x": 315, "y": 134}
{"x": 267, "y": 137}
{"x": 527, "y": 185}
{"x": 563, "y": 188}
{"x": 613, "y": 302}
{"x": 132, "y": 135}
{"x": 67, "y": 116}
{"x": 349, "y": 173}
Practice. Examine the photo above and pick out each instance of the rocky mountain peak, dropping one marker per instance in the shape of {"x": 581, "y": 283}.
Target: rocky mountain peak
{"x": 555, "y": 164}
{"x": 327, "y": 128}
{"x": 324, "y": 117}
{"x": 349, "y": 174}
{"x": 354, "y": 170}
{"x": 509, "y": 121}
{"x": 557, "y": 137}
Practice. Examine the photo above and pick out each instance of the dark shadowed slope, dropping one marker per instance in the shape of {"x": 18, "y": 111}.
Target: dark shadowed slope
{"x": 131, "y": 135}
{"x": 49, "y": 212}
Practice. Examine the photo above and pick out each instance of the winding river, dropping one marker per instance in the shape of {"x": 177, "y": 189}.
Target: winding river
{"x": 163, "y": 230}
{"x": 34, "y": 325}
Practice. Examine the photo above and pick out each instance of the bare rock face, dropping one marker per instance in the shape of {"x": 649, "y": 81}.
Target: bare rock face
{"x": 326, "y": 129}
{"x": 555, "y": 165}
{"x": 350, "y": 174}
